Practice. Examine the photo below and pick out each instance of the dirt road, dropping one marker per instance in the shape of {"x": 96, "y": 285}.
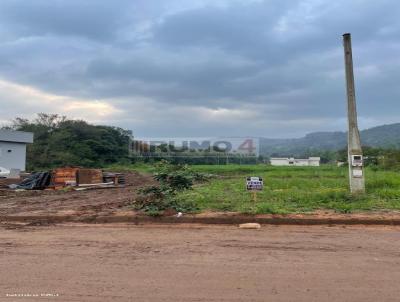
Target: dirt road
{"x": 199, "y": 263}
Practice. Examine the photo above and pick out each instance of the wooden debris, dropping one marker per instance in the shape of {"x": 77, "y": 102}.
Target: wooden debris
{"x": 89, "y": 176}
{"x": 62, "y": 176}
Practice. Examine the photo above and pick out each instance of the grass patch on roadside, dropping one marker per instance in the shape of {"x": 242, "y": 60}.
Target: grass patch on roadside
{"x": 293, "y": 190}
{"x": 286, "y": 189}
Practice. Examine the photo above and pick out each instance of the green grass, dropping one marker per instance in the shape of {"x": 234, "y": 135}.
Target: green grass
{"x": 287, "y": 189}
{"x": 293, "y": 190}
{"x": 139, "y": 167}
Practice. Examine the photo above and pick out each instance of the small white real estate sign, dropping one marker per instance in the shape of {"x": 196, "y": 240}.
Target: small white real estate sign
{"x": 254, "y": 183}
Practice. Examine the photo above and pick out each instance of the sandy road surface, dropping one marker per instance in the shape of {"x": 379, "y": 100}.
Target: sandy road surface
{"x": 200, "y": 263}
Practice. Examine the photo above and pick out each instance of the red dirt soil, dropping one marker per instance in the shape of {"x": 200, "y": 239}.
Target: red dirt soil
{"x": 88, "y": 202}
{"x": 116, "y": 204}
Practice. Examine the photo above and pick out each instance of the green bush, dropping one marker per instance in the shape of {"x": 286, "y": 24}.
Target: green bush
{"x": 171, "y": 179}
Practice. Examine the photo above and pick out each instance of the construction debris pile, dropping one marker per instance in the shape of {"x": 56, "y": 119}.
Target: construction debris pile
{"x": 68, "y": 177}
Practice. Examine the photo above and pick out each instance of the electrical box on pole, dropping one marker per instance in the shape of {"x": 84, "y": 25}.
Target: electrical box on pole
{"x": 355, "y": 156}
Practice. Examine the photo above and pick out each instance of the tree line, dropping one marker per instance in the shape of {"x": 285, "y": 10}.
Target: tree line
{"x": 59, "y": 141}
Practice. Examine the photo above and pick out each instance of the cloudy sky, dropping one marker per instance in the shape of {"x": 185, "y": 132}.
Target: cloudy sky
{"x": 270, "y": 68}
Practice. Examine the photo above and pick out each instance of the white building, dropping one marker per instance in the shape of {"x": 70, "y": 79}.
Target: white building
{"x": 311, "y": 161}
{"x": 13, "y": 148}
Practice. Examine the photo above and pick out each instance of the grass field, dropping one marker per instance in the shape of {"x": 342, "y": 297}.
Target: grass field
{"x": 293, "y": 190}
{"x": 289, "y": 189}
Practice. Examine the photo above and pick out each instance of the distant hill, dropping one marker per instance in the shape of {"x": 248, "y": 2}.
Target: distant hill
{"x": 386, "y": 136}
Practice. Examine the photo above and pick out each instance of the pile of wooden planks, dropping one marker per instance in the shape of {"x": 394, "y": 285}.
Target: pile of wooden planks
{"x": 84, "y": 177}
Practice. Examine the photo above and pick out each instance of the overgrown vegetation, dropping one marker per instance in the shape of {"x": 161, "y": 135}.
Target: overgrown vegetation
{"x": 59, "y": 141}
{"x": 287, "y": 189}
{"x": 293, "y": 190}
{"x": 172, "y": 179}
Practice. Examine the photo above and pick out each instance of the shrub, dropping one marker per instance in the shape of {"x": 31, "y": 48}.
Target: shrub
{"x": 172, "y": 179}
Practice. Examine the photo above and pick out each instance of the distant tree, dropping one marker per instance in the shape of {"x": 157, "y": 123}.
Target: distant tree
{"x": 388, "y": 159}
{"x": 60, "y": 141}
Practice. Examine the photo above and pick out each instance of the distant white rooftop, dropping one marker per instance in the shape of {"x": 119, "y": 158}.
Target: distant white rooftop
{"x": 286, "y": 161}
{"x": 16, "y": 136}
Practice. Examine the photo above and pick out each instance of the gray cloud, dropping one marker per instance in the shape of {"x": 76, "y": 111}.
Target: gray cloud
{"x": 90, "y": 19}
{"x": 272, "y": 68}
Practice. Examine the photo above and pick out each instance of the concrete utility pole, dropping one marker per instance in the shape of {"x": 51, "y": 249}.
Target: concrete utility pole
{"x": 355, "y": 157}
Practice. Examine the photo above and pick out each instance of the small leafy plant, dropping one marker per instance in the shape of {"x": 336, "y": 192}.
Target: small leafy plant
{"x": 172, "y": 179}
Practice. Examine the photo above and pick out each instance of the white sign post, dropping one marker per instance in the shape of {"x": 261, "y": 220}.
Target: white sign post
{"x": 254, "y": 184}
